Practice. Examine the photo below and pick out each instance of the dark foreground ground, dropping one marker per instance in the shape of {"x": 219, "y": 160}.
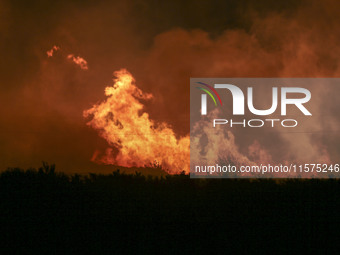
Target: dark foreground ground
{"x": 43, "y": 212}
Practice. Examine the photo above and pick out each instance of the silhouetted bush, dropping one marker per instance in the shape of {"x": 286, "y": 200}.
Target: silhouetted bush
{"x": 51, "y": 212}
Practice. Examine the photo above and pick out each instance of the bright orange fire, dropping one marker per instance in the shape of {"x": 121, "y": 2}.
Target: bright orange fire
{"x": 138, "y": 140}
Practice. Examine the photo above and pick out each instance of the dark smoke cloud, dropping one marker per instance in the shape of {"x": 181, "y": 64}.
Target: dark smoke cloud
{"x": 162, "y": 45}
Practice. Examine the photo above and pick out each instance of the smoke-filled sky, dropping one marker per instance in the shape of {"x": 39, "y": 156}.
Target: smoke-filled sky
{"x": 57, "y": 58}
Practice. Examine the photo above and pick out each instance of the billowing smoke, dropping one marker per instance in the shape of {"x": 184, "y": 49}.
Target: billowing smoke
{"x": 43, "y": 98}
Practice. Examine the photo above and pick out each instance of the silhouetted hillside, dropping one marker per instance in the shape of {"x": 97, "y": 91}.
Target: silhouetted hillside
{"x": 53, "y": 213}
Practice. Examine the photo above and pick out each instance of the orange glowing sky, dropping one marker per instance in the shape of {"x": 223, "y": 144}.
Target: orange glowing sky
{"x": 57, "y": 58}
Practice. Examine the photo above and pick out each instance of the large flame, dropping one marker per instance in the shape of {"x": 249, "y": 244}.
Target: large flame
{"x": 135, "y": 139}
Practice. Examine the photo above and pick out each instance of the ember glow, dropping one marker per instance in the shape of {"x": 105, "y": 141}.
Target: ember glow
{"x": 134, "y": 138}
{"x": 51, "y": 51}
{"x": 82, "y": 63}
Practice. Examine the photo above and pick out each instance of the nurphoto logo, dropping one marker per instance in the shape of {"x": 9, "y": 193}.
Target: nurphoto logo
{"x": 262, "y": 128}
{"x": 238, "y": 99}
